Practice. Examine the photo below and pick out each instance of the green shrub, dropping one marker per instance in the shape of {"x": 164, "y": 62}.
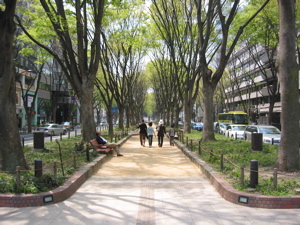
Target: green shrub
{"x": 31, "y": 184}
{"x": 7, "y": 183}
{"x": 238, "y": 152}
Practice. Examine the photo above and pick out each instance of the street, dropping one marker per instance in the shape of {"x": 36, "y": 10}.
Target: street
{"x": 27, "y": 138}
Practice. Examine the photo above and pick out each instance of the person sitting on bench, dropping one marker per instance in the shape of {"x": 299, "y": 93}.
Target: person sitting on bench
{"x": 102, "y": 141}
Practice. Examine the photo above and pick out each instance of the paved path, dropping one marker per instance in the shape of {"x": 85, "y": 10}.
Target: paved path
{"x": 147, "y": 186}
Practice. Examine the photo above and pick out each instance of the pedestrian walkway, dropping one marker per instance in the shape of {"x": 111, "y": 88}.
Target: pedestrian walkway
{"x": 147, "y": 186}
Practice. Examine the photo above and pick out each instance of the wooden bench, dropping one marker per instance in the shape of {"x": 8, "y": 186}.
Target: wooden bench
{"x": 101, "y": 149}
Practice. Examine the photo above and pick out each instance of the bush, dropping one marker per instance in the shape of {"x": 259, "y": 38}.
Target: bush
{"x": 31, "y": 184}
{"x": 238, "y": 152}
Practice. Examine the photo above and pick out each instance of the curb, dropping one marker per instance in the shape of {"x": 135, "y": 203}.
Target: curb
{"x": 61, "y": 193}
{"x": 238, "y": 197}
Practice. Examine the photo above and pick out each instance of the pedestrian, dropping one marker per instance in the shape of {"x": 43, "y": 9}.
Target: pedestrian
{"x": 143, "y": 132}
{"x": 171, "y": 135}
{"x": 102, "y": 141}
{"x": 150, "y": 133}
{"x": 161, "y": 131}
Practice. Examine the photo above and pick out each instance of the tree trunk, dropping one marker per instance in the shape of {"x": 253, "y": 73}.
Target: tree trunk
{"x": 53, "y": 117}
{"x": 188, "y": 109}
{"x": 11, "y": 152}
{"x": 110, "y": 121}
{"x": 271, "y": 108}
{"x": 29, "y": 121}
{"x": 208, "y": 125}
{"x": 121, "y": 117}
{"x": 88, "y": 126}
{"x": 177, "y": 111}
{"x": 288, "y": 155}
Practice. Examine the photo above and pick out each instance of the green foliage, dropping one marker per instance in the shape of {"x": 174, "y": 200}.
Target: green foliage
{"x": 31, "y": 184}
{"x": 265, "y": 187}
{"x": 27, "y": 184}
{"x": 45, "y": 182}
{"x": 237, "y": 153}
{"x": 264, "y": 26}
{"x": 7, "y": 183}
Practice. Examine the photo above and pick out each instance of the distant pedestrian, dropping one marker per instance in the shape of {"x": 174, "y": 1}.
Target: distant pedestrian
{"x": 172, "y": 135}
{"x": 161, "y": 131}
{"x": 143, "y": 132}
{"x": 150, "y": 133}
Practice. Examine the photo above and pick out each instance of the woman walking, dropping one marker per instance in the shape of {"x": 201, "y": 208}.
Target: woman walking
{"x": 161, "y": 131}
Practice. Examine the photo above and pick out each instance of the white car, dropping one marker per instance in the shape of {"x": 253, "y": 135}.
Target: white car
{"x": 271, "y": 134}
{"x": 221, "y": 127}
{"x": 67, "y": 125}
{"x": 103, "y": 123}
{"x": 52, "y": 129}
{"x": 235, "y": 131}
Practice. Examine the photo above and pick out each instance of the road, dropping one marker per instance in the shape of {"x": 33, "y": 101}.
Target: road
{"x": 28, "y": 137}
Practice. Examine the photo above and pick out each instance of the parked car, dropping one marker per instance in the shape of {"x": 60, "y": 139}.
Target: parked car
{"x": 271, "y": 134}
{"x": 216, "y": 124}
{"x": 180, "y": 123}
{"x": 67, "y": 125}
{"x": 235, "y": 131}
{"x": 221, "y": 127}
{"x": 103, "y": 123}
{"x": 197, "y": 126}
{"x": 52, "y": 129}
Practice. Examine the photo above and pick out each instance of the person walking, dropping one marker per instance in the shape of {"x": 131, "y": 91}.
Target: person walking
{"x": 143, "y": 132}
{"x": 150, "y": 133}
{"x": 161, "y": 131}
{"x": 172, "y": 135}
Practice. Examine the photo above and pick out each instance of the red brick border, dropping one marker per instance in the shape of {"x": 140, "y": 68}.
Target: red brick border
{"x": 232, "y": 195}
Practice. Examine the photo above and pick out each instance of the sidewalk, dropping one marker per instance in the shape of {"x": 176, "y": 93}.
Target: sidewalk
{"x": 147, "y": 186}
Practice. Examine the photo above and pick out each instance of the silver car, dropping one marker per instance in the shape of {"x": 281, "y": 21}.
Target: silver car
{"x": 221, "y": 127}
{"x": 271, "y": 134}
{"x": 52, "y": 129}
{"x": 67, "y": 125}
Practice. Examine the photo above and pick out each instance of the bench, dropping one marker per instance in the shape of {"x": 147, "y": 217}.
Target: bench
{"x": 101, "y": 149}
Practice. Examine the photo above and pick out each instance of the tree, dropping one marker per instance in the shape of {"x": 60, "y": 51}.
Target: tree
{"x": 77, "y": 26}
{"x": 175, "y": 22}
{"x": 33, "y": 83}
{"x": 288, "y": 155}
{"x": 216, "y": 19}
{"x": 123, "y": 48}
{"x": 11, "y": 152}
{"x": 166, "y": 90}
{"x": 105, "y": 94}
{"x": 262, "y": 45}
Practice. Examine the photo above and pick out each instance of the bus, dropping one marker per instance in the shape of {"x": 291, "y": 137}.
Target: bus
{"x": 234, "y": 117}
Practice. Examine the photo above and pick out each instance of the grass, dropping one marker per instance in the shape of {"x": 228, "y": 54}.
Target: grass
{"x": 237, "y": 153}
{"x": 70, "y": 153}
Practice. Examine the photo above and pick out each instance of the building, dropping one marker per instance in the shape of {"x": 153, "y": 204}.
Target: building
{"x": 253, "y": 86}
{"x": 47, "y": 91}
